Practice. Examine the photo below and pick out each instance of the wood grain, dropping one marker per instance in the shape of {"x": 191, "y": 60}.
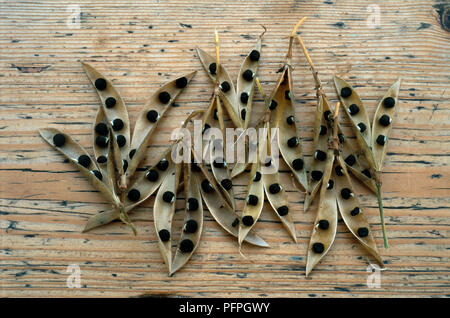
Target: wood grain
{"x": 45, "y": 202}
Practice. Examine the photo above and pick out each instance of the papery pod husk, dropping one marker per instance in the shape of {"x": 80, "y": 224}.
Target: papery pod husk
{"x": 72, "y": 151}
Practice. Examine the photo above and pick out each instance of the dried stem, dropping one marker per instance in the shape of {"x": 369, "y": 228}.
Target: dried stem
{"x": 380, "y": 207}
{"x": 291, "y": 40}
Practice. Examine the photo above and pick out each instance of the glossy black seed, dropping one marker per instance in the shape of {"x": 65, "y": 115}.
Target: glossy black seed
{"x": 133, "y": 195}
{"x": 287, "y": 95}
{"x": 323, "y": 224}
{"x": 298, "y": 164}
{"x": 206, "y": 186}
{"x": 243, "y": 113}
{"x": 59, "y": 140}
{"x": 341, "y": 138}
{"x": 102, "y": 159}
{"x": 323, "y": 130}
{"x": 117, "y": 124}
{"x": 248, "y": 220}
{"x": 339, "y": 171}
{"x": 248, "y": 75}
{"x": 244, "y": 98}
{"x": 353, "y": 109}
{"x": 363, "y": 232}
{"x": 292, "y": 142}
{"x": 100, "y": 84}
{"x": 318, "y": 248}
{"x": 316, "y": 175}
{"x": 152, "y": 175}
{"x": 226, "y": 184}
{"x": 366, "y": 172}
{"x": 212, "y": 68}
{"x": 84, "y": 160}
{"x": 191, "y": 226}
{"x": 252, "y": 200}
{"x": 257, "y": 177}
{"x": 362, "y": 127}
{"x": 101, "y": 141}
{"x": 254, "y": 56}
{"x": 101, "y": 129}
{"x": 389, "y": 102}
{"x": 152, "y": 116}
{"x": 290, "y": 120}
{"x": 216, "y": 114}
{"x": 346, "y": 92}
{"x": 225, "y": 86}
{"x": 346, "y": 193}
{"x": 355, "y": 211}
{"x": 164, "y": 235}
{"x": 98, "y": 174}
{"x": 121, "y": 141}
{"x": 385, "y": 120}
{"x": 168, "y": 196}
{"x": 268, "y": 162}
{"x": 320, "y": 155}
{"x": 181, "y": 82}
{"x": 205, "y": 128}
{"x": 273, "y": 104}
{"x": 381, "y": 140}
{"x": 164, "y": 97}
{"x": 235, "y": 222}
{"x": 330, "y": 184}
{"x": 192, "y": 204}
{"x": 219, "y": 163}
{"x": 350, "y": 160}
{"x": 274, "y": 188}
{"x": 326, "y": 115}
{"x": 283, "y": 210}
{"x": 110, "y": 102}
{"x": 163, "y": 164}
{"x": 132, "y": 153}
{"x": 195, "y": 167}
{"x": 124, "y": 165}
{"x": 186, "y": 246}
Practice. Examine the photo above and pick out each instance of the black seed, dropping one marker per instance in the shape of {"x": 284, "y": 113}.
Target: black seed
{"x": 252, "y": 200}
{"x": 152, "y": 116}
{"x": 287, "y": 95}
{"x": 248, "y": 220}
{"x": 257, "y": 177}
{"x": 389, "y": 102}
{"x": 117, "y": 124}
{"x": 323, "y": 224}
{"x": 100, "y": 84}
{"x": 353, "y": 109}
{"x": 290, "y": 120}
{"x": 219, "y": 163}
{"x": 339, "y": 171}
{"x": 101, "y": 129}
{"x": 205, "y": 128}
{"x": 268, "y": 162}
{"x": 186, "y": 246}
{"x": 350, "y": 160}
{"x": 59, "y": 140}
{"x": 316, "y": 175}
{"x": 110, "y": 102}
{"x": 216, "y": 114}
{"x": 292, "y": 142}
{"x": 326, "y": 115}
{"x": 195, "y": 167}
{"x": 366, "y": 172}
{"x": 164, "y": 235}
{"x": 164, "y": 97}
{"x": 355, "y": 211}
{"x": 283, "y": 210}
{"x": 163, "y": 164}
{"x": 273, "y": 104}
{"x": 102, "y": 159}
{"x": 298, "y": 164}
{"x": 168, "y": 196}
{"x": 192, "y": 204}
{"x": 212, "y": 68}
{"x": 320, "y": 155}
{"x": 318, "y": 248}
{"x": 381, "y": 140}
{"x": 362, "y": 127}
{"x": 235, "y": 222}
{"x": 132, "y": 153}
{"x": 191, "y": 226}
{"x": 330, "y": 184}
{"x": 346, "y": 92}
{"x": 134, "y": 195}
{"x": 254, "y": 56}
{"x": 244, "y": 98}
{"x": 225, "y": 86}
{"x": 341, "y": 138}
{"x": 124, "y": 165}
{"x": 363, "y": 232}
{"x": 226, "y": 184}
{"x": 121, "y": 141}
{"x": 98, "y": 174}
{"x": 84, "y": 160}
{"x": 248, "y": 75}
{"x": 101, "y": 141}
{"x": 385, "y": 120}
{"x": 243, "y": 113}
{"x": 206, "y": 186}
{"x": 274, "y": 188}
{"x": 152, "y": 175}
{"x": 346, "y": 193}
{"x": 323, "y": 130}
{"x": 181, "y": 82}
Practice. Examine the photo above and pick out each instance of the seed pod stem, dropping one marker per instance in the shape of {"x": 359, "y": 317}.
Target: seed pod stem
{"x": 380, "y": 207}
{"x": 291, "y": 40}
{"x": 123, "y": 215}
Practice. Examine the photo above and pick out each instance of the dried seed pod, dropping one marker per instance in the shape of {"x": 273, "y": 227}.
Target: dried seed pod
{"x": 151, "y": 115}
{"x": 193, "y": 220}
{"x": 79, "y": 156}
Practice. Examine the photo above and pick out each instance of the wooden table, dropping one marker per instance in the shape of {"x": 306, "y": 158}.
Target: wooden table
{"x": 45, "y": 201}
